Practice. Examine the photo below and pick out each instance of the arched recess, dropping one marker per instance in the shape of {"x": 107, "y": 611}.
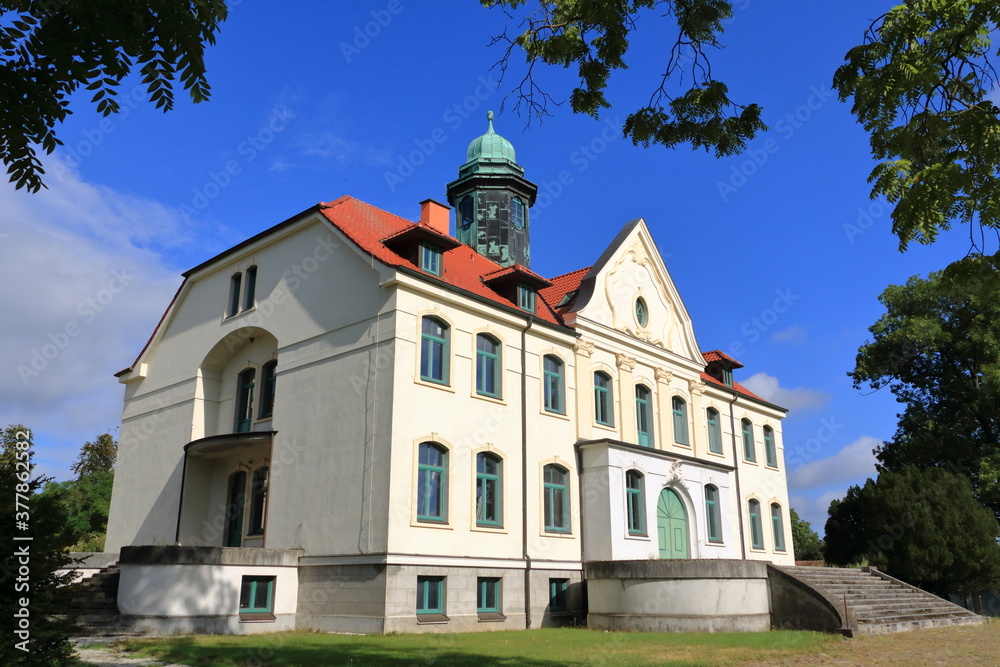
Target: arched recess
{"x": 218, "y": 387}
{"x": 673, "y": 525}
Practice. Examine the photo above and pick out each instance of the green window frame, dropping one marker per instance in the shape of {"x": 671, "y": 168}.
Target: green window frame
{"x": 714, "y": 431}
{"x": 250, "y": 289}
{"x": 268, "y": 377}
{"x": 432, "y": 483}
{"x": 727, "y": 377}
{"x": 234, "y": 294}
{"x": 489, "y": 490}
{"x": 558, "y": 594}
{"x": 434, "y": 350}
{"x": 777, "y": 525}
{"x": 603, "y": 410}
{"x": 244, "y": 400}
{"x": 749, "y": 449}
{"x": 526, "y": 298}
{"x": 554, "y": 387}
{"x": 635, "y": 499}
{"x": 712, "y": 518}
{"x": 517, "y": 213}
{"x": 679, "y": 407}
{"x": 258, "y": 500}
{"x": 430, "y": 258}
{"x": 556, "y": 501}
{"x": 770, "y": 452}
{"x": 488, "y": 366}
{"x": 644, "y": 415}
{"x": 256, "y": 595}
{"x": 756, "y": 527}
{"x": 489, "y": 594}
{"x": 430, "y": 595}
{"x": 236, "y": 495}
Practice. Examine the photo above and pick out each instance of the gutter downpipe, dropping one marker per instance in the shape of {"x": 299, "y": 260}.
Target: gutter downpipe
{"x": 736, "y": 474}
{"x": 524, "y": 474}
{"x": 180, "y": 501}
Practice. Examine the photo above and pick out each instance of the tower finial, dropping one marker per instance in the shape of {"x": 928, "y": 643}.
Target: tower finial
{"x": 489, "y": 117}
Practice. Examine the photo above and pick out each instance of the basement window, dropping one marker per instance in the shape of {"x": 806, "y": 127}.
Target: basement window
{"x": 257, "y": 599}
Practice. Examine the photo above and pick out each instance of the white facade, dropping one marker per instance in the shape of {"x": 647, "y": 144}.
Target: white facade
{"x": 334, "y": 468}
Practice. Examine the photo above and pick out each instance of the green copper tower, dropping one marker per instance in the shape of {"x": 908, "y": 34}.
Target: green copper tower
{"x": 491, "y": 198}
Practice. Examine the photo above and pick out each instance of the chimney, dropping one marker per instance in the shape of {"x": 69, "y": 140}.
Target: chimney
{"x": 435, "y": 215}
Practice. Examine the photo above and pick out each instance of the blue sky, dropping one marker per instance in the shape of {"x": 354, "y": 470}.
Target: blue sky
{"x": 779, "y": 254}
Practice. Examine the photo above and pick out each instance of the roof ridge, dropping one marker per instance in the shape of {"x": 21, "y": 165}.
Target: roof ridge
{"x": 563, "y": 275}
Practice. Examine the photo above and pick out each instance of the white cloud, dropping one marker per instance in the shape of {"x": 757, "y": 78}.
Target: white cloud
{"x": 83, "y": 281}
{"x": 852, "y": 464}
{"x": 793, "y": 335}
{"x": 800, "y": 398}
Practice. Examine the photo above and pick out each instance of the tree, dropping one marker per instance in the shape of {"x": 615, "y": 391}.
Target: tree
{"x": 919, "y": 84}
{"x": 97, "y": 456}
{"x": 921, "y": 526}
{"x": 937, "y": 349}
{"x": 28, "y": 568}
{"x": 51, "y": 49}
{"x": 86, "y": 501}
{"x": 807, "y": 544}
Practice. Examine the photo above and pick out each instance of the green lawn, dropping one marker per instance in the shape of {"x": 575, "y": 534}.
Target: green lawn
{"x": 541, "y": 648}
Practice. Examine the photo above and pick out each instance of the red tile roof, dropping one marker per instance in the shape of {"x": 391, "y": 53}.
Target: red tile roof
{"x": 740, "y": 389}
{"x": 719, "y": 355}
{"x": 561, "y": 286}
{"x": 463, "y": 267}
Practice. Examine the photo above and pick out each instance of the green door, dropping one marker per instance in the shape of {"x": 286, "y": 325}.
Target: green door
{"x": 236, "y": 497}
{"x": 672, "y": 525}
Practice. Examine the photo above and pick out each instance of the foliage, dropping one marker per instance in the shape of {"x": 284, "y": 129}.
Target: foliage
{"x": 920, "y": 85}
{"x": 920, "y": 525}
{"x": 937, "y": 349}
{"x": 44, "y": 589}
{"x": 97, "y": 456}
{"x": 807, "y": 544}
{"x": 50, "y": 50}
{"x": 593, "y": 38}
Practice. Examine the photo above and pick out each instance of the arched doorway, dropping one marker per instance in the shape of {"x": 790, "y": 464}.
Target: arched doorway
{"x": 672, "y": 525}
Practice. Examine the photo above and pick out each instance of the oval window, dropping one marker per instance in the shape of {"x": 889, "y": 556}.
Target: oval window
{"x": 641, "y": 312}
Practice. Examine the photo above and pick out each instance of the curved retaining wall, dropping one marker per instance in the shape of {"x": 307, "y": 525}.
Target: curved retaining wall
{"x": 678, "y": 595}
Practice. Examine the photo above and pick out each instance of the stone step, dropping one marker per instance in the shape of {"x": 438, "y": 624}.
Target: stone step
{"x": 903, "y": 626}
{"x": 901, "y": 604}
{"x": 911, "y": 615}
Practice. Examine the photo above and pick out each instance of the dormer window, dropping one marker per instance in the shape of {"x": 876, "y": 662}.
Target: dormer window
{"x": 727, "y": 377}
{"x": 526, "y": 298}
{"x": 430, "y": 258}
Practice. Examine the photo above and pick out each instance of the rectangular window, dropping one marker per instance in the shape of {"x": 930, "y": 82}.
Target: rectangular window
{"x": 430, "y": 259}
{"x": 602, "y": 399}
{"x": 714, "y": 431}
{"x": 257, "y": 596}
{"x": 558, "y": 594}
{"x": 250, "y": 288}
{"x": 553, "y": 385}
{"x": 488, "y": 595}
{"x": 556, "y": 502}
{"x": 680, "y": 421}
{"x": 727, "y": 377}
{"x": 430, "y": 595}
{"x": 643, "y": 416}
{"x": 488, "y": 488}
{"x": 749, "y": 451}
{"x": 635, "y": 501}
{"x": 526, "y": 298}
{"x": 432, "y": 482}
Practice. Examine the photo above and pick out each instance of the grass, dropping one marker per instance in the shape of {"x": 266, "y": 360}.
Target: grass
{"x": 536, "y": 648}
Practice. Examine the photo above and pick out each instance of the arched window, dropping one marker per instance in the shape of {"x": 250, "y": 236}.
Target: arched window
{"x": 777, "y": 526}
{"x": 644, "y": 415}
{"x": 517, "y": 213}
{"x": 258, "y": 501}
{"x": 554, "y": 388}
{"x": 714, "y": 431}
{"x": 465, "y": 212}
{"x": 249, "y": 291}
{"x": 749, "y": 450}
{"x": 489, "y": 490}
{"x": 756, "y": 527}
{"x": 244, "y": 400}
{"x": 434, "y": 350}
{"x": 267, "y": 381}
{"x": 712, "y": 514}
{"x": 680, "y": 420}
{"x": 487, "y": 366}
{"x": 635, "y": 500}
{"x": 556, "y": 500}
{"x": 432, "y": 482}
{"x": 770, "y": 453}
{"x": 602, "y": 399}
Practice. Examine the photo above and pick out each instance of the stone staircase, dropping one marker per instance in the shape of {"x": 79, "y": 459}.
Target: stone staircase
{"x": 871, "y": 602}
{"x": 95, "y": 602}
